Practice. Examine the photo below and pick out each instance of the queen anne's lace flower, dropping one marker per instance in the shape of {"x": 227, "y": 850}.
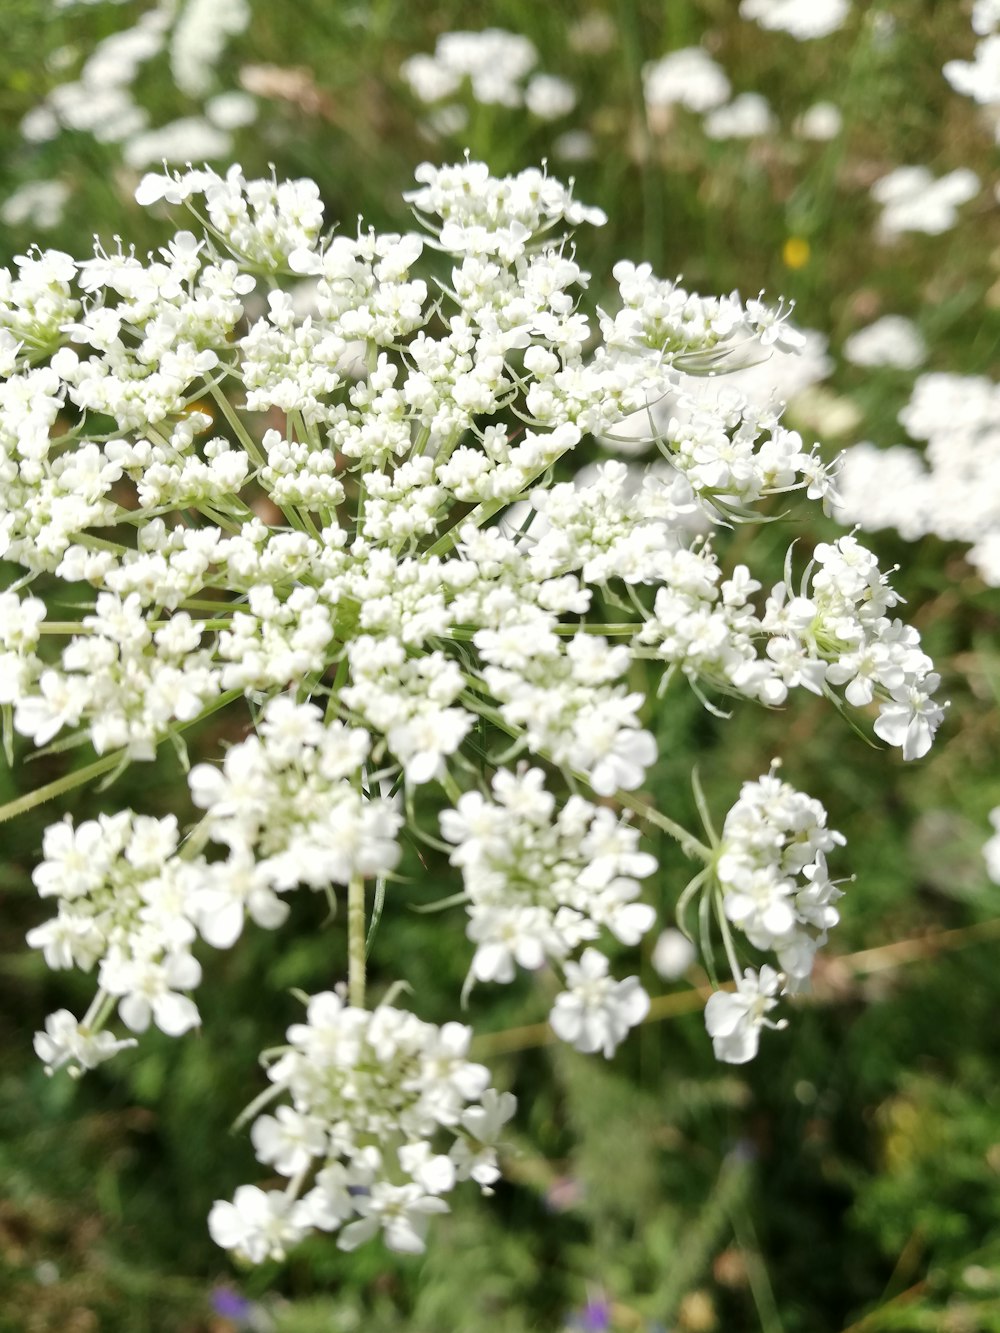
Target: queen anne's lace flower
{"x": 803, "y": 19}
{"x": 951, "y": 489}
{"x": 191, "y": 37}
{"x": 734, "y": 1019}
{"x": 355, "y": 1076}
{"x": 363, "y": 524}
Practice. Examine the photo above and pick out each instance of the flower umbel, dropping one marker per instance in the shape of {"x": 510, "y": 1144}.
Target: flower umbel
{"x": 360, "y": 528}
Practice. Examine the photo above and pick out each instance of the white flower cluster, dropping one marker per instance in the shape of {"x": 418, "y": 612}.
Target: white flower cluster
{"x": 891, "y": 341}
{"x": 192, "y": 35}
{"x": 820, "y": 122}
{"x": 991, "y": 848}
{"x": 833, "y": 633}
{"x": 689, "y": 78}
{"x": 913, "y": 200}
{"x": 979, "y": 78}
{"x": 803, "y": 19}
{"x": 352, "y": 522}
{"x": 538, "y": 884}
{"x": 356, "y": 1079}
{"x": 770, "y": 869}
{"x": 40, "y": 202}
{"x": 952, "y": 490}
{"x": 692, "y": 79}
{"x": 496, "y": 65}
{"x": 286, "y": 805}
{"x": 747, "y": 116}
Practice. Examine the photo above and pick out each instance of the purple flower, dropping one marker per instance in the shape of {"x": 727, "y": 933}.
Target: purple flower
{"x": 230, "y": 1304}
{"x": 595, "y": 1316}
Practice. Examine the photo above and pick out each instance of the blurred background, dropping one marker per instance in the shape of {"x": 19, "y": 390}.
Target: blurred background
{"x": 849, "y": 1180}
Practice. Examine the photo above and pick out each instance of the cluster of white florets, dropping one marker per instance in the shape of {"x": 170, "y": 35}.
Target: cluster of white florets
{"x": 952, "y": 489}
{"x": 539, "y": 883}
{"x": 771, "y": 873}
{"x": 360, "y": 520}
{"x": 496, "y": 65}
{"x": 979, "y": 78}
{"x": 914, "y": 199}
{"x": 385, "y": 1116}
{"x": 771, "y": 867}
{"x": 802, "y": 19}
{"x": 190, "y": 37}
{"x": 287, "y": 806}
{"x": 690, "y": 78}
{"x": 833, "y": 633}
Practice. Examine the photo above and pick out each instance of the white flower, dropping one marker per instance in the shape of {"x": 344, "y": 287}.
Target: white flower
{"x": 689, "y": 77}
{"x": 67, "y": 1041}
{"x": 747, "y": 116}
{"x": 890, "y": 341}
{"x": 673, "y": 954}
{"x": 147, "y": 990}
{"x": 402, "y": 1212}
{"x": 803, "y": 19}
{"x": 912, "y": 200}
{"x": 549, "y": 97}
{"x": 734, "y": 1019}
{"x": 414, "y": 596}
{"x": 475, "y": 1156}
{"x": 257, "y": 1225}
{"x": 980, "y": 77}
{"x": 821, "y": 122}
{"x": 596, "y": 1012}
{"x": 911, "y": 718}
{"x": 288, "y": 1140}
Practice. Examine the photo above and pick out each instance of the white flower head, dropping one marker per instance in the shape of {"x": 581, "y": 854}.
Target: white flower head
{"x": 596, "y": 1011}
{"x": 734, "y": 1018}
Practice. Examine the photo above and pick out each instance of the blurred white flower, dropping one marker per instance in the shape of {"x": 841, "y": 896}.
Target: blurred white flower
{"x": 820, "y": 122}
{"x": 40, "y": 202}
{"x": 689, "y": 77}
{"x": 952, "y": 490}
{"x": 494, "y": 61}
{"x": 747, "y": 116}
{"x": 574, "y": 146}
{"x": 912, "y": 200}
{"x": 673, "y": 954}
{"x": 890, "y": 341}
{"x": 549, "y": 97}
{"x": 803, "y": 19}
{"x": 232, "y": 110}
{"x": 191, "y": 139}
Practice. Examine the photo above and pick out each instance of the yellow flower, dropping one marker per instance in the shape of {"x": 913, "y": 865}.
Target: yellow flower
{"x": 795, "y": 252}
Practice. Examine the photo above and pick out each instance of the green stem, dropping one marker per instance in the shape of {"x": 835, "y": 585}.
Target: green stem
{"x": 60, "y": 787}
{"x": 482, "y": 514}
{"x": 689, "y": 844}
{"x": 727, "y": 938}
{"x": 236, "y": 425}
{"x": 356, "y": 941}
{"x": 617, "y": 627}
{"x": 80, "y": 776}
